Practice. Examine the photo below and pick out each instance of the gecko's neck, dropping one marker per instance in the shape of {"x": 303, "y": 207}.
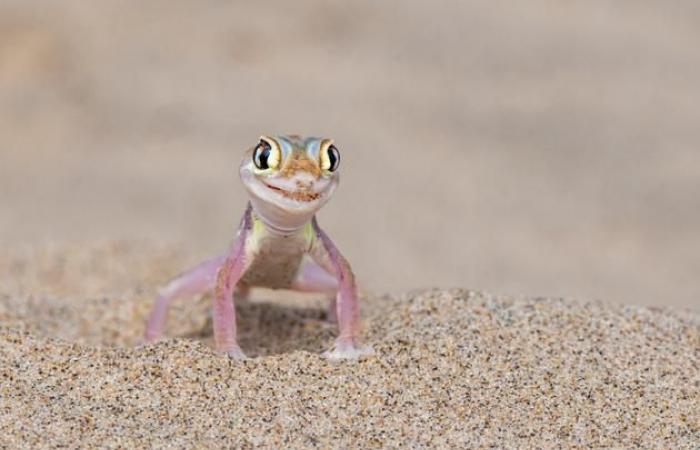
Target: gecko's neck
{"x": 278, "y": 221}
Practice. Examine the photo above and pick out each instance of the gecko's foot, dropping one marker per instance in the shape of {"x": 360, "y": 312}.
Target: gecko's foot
{"x": 348, "y": 349}
{"x": 236, "y": 353}
{"x": 149, "y": 339}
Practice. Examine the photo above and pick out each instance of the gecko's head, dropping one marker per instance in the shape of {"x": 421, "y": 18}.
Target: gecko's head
{"x": 291, "y": 174}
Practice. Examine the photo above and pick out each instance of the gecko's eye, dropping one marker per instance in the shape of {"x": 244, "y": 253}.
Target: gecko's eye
{"x": 330, "y": 158}
{"x": 265, "y": 156}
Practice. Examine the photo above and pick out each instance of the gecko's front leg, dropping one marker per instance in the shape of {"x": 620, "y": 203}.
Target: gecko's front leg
{"x": 326, "y": 254}
{"x": 227, "y": 277}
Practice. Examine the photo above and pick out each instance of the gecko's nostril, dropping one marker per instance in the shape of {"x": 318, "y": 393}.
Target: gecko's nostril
{"x": 304, "y": 185}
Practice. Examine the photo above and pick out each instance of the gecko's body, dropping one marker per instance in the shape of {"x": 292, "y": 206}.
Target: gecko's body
{"x": 279, "y": 244}
{"x": 278, "y": 258}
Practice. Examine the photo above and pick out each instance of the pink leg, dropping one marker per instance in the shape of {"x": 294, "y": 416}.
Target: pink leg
{"x": 196, "y": 280}
{"x": 313, "y": 278}
{"x": 327, "y": 255}
{"x": 227, "y": 277}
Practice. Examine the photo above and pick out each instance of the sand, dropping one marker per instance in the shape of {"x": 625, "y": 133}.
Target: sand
{"x": 452, "y": 367}
{"x": 535, "y": 148}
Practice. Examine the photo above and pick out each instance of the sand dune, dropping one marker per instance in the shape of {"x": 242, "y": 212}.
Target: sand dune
{"x": 452, "y": 368}
{"x": 537, "y": 148}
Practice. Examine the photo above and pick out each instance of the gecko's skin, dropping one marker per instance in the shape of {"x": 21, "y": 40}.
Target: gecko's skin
{"x": 279, "y": 244}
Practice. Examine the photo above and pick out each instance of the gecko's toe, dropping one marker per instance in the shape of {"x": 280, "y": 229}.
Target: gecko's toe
{"x": 348, "y": 350}
{"x": 236, "y": 353}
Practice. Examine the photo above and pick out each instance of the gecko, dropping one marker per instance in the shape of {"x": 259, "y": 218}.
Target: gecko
{"x": 279, "y": 244}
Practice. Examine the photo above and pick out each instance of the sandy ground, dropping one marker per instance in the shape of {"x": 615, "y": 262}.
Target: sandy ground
{"x": 452, "y": 368}
{"x": 540, "y": 148}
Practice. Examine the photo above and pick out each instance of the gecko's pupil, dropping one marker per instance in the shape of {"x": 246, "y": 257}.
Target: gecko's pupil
{"x": 333, "y": 157}
{"x": 261, "y": 155}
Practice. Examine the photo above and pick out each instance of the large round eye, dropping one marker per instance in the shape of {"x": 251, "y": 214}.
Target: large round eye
{"x": 330, "y": 158}
{"x": 265, "y": 156}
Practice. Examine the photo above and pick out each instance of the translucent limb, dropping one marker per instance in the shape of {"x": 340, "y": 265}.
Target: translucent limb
{"x": 199, "y": 279}
{"x": 326, "y": 255}
{"x": 314, "y": 278}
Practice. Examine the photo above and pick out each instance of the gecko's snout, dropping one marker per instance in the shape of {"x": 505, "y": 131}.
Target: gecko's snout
{"x": 304, "y": 186}
{"x": 301, "y": 167}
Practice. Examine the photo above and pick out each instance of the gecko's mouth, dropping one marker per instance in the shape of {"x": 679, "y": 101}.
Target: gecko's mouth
{"x": 296, "y": 195}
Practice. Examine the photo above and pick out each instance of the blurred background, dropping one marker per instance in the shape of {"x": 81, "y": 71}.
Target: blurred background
{"x": 536, "y": 148}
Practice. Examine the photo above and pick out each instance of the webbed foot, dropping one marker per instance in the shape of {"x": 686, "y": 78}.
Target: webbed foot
{"x": 236, "y": 353}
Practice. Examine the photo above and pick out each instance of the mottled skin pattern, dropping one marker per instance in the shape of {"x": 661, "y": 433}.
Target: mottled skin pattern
{"x": 279, "y": 244}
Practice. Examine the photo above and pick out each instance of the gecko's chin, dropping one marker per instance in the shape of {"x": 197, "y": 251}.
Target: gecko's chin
{"x": 295, "y": 201}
